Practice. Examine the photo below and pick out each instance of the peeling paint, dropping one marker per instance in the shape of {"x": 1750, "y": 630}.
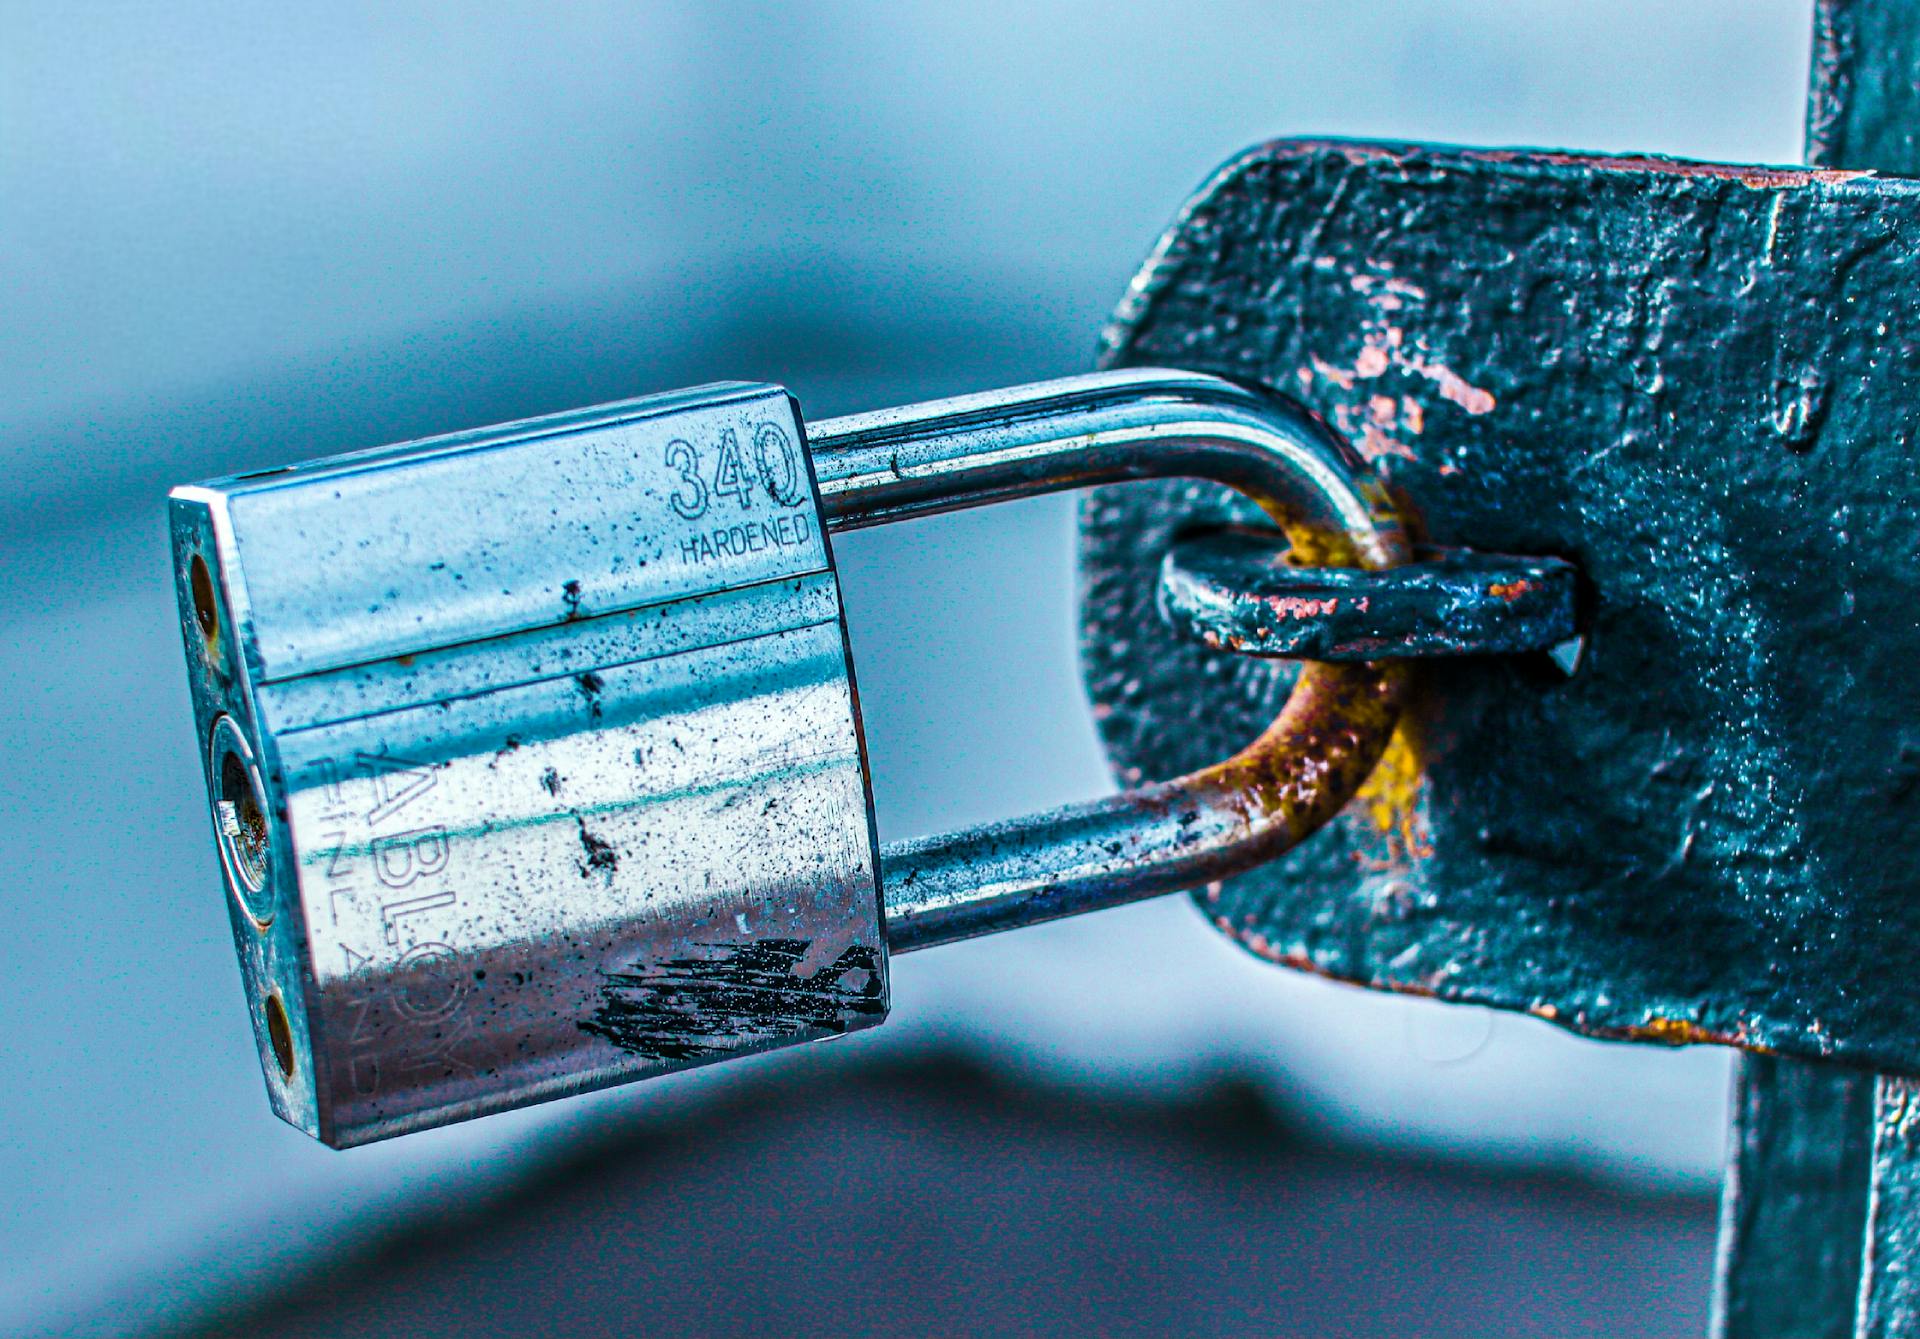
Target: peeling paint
{"x": 1385, "y": 347}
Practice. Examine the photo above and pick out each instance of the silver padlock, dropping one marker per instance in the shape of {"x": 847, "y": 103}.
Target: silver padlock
{"x": 535, "y": 758}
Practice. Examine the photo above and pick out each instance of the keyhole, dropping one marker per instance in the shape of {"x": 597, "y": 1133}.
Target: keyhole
{"x": 206, "y": 612}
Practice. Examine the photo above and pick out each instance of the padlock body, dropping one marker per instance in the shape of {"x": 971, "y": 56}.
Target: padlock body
{"x": 534, "y": 759}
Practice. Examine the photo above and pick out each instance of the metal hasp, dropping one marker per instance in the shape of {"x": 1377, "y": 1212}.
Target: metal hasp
{"x": 1698, "y": 383}
{"x": 1701, "y": 385}
{"x": 533, "y": 753}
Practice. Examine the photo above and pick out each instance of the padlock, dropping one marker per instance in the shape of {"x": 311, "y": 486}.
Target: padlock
{"x": 534, "y": 754}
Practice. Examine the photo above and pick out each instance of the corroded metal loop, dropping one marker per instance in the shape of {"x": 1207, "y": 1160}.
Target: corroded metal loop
{"x": 1106, "y": 428}
{"x": 1241, "y": 591}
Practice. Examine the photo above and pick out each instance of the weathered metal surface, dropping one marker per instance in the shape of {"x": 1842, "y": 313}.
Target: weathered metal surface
{"x": 1795, "y": 1202}
{"x": 1697, "y": 382}
{"x": 1889, "y": 1288}
{"x": 1241, "y": 591}
{"x": 1863, "y": 102}
{"x": 1798, "y": 1254}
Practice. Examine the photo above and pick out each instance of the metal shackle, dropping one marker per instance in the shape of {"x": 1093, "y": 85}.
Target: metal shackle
{"x": 1109, "y": 427}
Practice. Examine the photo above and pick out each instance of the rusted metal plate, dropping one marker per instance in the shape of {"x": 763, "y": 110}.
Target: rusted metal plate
{"x": 1702, "y": 385}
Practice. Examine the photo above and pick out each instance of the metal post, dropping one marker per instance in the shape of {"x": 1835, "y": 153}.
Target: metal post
{"x": 1822, "y": 1201}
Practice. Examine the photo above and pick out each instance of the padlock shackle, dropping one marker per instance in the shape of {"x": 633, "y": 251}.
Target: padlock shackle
{"x": 1108, "y": 427}
{"x": 1104, "y": 427}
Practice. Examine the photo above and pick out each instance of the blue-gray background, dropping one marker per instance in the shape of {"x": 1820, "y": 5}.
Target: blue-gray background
{"x": 232, "y": 236}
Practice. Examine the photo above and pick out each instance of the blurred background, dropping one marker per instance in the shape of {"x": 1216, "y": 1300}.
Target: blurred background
{"x": 232, "y": 236}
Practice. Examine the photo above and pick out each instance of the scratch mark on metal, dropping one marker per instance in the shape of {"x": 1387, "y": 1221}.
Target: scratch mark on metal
{"x": 695, "y": 1007}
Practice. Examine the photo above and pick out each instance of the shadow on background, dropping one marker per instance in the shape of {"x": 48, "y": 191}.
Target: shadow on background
{"x": 934, "y": 1196}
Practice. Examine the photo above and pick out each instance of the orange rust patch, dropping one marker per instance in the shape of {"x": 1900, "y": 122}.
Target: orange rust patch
{"x": 1455, "y": 387}
{"x": 1509, "y": 590}
{"x": 1297, "y": 606}
{"x": 1679, "y": 1032}
{"x": 1318, "y": 751}
{"x": 1338, "y": 376}
{"x": 1360, "y": 153}
{"x": 1374, "y": 444}
{"x": 1758, "y": 178}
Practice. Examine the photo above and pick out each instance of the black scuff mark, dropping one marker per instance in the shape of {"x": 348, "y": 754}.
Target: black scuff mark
{"x": 591, "y": 685}
{"x": 571, "y": 594}
{"x": 550, "y": 781}
{"x": 741, "y": 995}
{"x": 601, "y": 857}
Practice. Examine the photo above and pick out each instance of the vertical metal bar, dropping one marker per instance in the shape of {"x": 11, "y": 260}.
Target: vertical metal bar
{"x": 1793, "y": 1214}
{"x": 1820, "y": 1218}
{"x": 1890, "y": 1269}
{"x": 1861, "y": 99}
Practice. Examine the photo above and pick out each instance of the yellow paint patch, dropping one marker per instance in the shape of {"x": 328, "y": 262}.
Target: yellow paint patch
{"x": 1393, "y": 799}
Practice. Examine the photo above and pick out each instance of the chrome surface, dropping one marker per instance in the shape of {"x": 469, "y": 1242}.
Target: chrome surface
{"x": 1105, "y": 428}
{"x": 557, "y": 738}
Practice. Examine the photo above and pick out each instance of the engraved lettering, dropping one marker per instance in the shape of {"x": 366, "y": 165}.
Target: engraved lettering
{"x": 690, "y": 498}
{"x": 397, "y": 782}
{"x": 737, "y": 541}
{"x": 730, "y": 476}
{"x": 362, "y": 1029}
{"x": 330, "y": 782}
{"x": 405, "y": 856}
{"x": 337, "y": 870}
{"x": 339, "y": 873}
{"x": 440, "y": 1052}
{"x": 779, "y": 467}
{"x": 363, "y": 1065}
{"x": 392, "y": 912}
{"x": 426, "y": 994}
{"x": 772, "y": 462}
